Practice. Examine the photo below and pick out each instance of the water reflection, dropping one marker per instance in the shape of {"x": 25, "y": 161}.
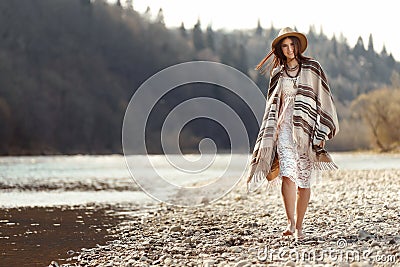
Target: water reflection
{"x": 36, "y": 236}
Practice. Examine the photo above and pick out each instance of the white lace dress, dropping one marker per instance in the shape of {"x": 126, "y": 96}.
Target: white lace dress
{"x": 292, "y": 165}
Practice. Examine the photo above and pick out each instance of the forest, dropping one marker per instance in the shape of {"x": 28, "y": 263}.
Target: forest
{"x": 68, "y": 69}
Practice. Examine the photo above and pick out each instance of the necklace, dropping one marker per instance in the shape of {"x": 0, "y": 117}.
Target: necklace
{"x": 297, "y": 74}
{"x": 294, "y": 81}
{"x": 291, "y": 69}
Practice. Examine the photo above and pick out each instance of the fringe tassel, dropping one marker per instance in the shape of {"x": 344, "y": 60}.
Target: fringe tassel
{"x": 259, "y": 170}
{"x": 325, "y": 166}
{"x": 274, "y": 185}
{"x": 256, "y": 181}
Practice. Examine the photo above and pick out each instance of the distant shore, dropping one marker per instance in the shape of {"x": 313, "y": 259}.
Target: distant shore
{"x": 352, "y": 219}
{"x": 32, "y": 153}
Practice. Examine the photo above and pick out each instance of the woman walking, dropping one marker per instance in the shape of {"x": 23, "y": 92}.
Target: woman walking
{"x": 299, "y": 117}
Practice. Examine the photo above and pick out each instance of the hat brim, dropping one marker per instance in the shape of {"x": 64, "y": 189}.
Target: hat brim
{"x": 302, "y": 38}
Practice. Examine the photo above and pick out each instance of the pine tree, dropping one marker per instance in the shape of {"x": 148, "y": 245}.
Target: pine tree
{"x": 370, "y": 44}
{"x": 182, "y": 30}
{"x": 359, "y": 49}
{"x": 198, "y": 40}
{"x": 272, "y": 32}
{"x": 384, "y": 52}
{"x": 242, "y": 60}
{"x": 147, "y": 14}
{"x": 210, "y": 38}
{"x": 259, "y": 29}
{"x": 321, "y": 32}
{"x": 160, "y": 17}
{"x": 390, "y": 61}
{"x": 129, "y": 4}
{"x": 334, "y": 46}
{"x": 312, "y": 34}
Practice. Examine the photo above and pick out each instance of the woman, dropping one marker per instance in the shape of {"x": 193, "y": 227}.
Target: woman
{"x": 299, "y": 117}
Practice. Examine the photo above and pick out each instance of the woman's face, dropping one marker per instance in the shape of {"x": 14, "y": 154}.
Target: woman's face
{"x": 288, "y": 48}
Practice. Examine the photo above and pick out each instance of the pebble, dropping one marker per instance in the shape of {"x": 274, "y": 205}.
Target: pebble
{"x": 236, "y": 249}
{"x": 243, "y": 263}
{"x": 143, "y": 258}
{"x": 208, "y": 263}
{"x": 167, "y": 261}
{"x": 290, "y": 263}
{"x": 176, "y": 228}
{"x": 362, "y": 234}
{"x": 225, "y": 255}
{"x": 375, "y": 244}
{"x": 54, "y": 264}
{"x": 359, "y": 264}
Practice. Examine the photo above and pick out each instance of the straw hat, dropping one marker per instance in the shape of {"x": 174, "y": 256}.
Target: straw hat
{"x": 287, "y": 32}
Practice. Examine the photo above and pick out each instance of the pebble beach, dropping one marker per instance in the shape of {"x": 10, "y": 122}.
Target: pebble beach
{"x": 353, "y": 219}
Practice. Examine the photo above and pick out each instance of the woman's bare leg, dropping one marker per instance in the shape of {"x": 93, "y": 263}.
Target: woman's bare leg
{"x": 303, "y": 197}
{"x": 289, "y": 200}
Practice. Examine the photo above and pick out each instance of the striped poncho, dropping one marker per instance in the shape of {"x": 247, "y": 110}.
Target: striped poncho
{"x": 314, "y": 120}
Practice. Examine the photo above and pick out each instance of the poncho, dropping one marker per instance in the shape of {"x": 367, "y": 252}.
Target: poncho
{"x": 314, "y": 120}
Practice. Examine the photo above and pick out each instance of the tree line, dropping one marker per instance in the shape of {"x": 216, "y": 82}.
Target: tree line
{"x": 68, "y": 69}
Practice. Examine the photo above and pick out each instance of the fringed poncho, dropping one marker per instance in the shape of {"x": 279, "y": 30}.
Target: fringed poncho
{"x": 314, "y": 120}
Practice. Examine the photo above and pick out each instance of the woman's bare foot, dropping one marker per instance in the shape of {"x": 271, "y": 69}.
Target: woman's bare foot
{"x": 289, "y": 230}
{"x": 299, "y": 234}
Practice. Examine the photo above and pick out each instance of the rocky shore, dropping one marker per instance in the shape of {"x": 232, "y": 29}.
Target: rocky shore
{"x": 352, "y": 220}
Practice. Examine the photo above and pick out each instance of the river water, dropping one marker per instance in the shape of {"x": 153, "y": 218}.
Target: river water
{"x": 74, "y": 180}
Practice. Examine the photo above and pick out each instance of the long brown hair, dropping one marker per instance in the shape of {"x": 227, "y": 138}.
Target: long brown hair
{"x": 279, "y": 58}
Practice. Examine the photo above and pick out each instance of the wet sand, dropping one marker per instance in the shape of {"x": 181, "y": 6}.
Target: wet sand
{"x": 352, "y": 220}
{"x": 35, "y": 236}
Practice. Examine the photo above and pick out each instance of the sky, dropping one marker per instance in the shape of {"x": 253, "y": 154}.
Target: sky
{"x": 347, "y": 17}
